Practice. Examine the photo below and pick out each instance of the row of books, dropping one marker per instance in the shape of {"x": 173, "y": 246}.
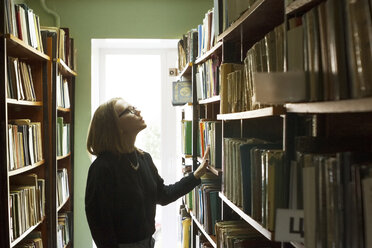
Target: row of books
{"x": 20, "y": 84}
{"x": 216, "y": 20}
{"x": 63, "y": 97}
{"x": 256, "y": 178}
{"x": 63, "y": 137}
{"x": 63, "y": 192}
{"x": 208, "y": 32}
{"x": 21, "y": 22}
{"x": 210, "y": 135}
{"x": 24, "y": 143}
{"x": 332, "y": 43}
{"x": 337, "y": 199}
{"x": 64, "y": 44}
{"x": 27, "y": 203}
{"x": 237, "y": 88}
{"x": 207, "y": 205}
{"x": 207, "y": 78}
{"x": 64, "y": 229}
{"x": 187, "y": 49}
{"x": 33, "y": 240}
{"x": 239, "y": 234}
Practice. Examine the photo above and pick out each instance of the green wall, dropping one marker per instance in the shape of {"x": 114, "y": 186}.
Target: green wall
{"x": 91, "y": 19}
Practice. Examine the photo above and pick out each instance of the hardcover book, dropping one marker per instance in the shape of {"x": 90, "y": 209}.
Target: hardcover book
{"x": 182, "y": 93}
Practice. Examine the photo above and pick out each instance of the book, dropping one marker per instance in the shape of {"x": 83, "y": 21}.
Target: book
{"x": 181, "y": 92}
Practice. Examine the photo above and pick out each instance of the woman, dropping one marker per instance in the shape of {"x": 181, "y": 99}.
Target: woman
{"x": 123, "y": 185}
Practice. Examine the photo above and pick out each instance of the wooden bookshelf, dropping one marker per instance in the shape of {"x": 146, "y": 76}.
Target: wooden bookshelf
{"x": 216, "y": 49}
{"x": 211, "y": 238}
{"x": 264, "y": 112}
{"x": 269, "y": 235}
{"x": 283, "y": 124}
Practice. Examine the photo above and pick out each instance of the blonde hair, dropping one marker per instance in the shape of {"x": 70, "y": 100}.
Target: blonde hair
{"x": 104, "y": 134}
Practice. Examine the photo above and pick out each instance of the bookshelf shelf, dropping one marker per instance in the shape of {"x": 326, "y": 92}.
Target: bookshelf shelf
{"x": 213, "y": 99}
{"x": 211, "y": 238}
{"x": 63, "y": 157}
{"x": 297, "y": 244}
{"x": 63, "y": 109}
{"x": 17, "y": 240}
{"x": 26, "y": 168}
{"x": 63, "y": 204}
{"x": 258, "y": 20}
{"x": 18, "y": 48}
{"x": 342, "y": 106}
{"x": 64, "y": 69}
{"x": 215, "y": 49}
{"x": 24, "y": 103}
{"x": 185, "y": 71}
{"x": 269, "y": 235}
{"x": 300, "y": 6}
{"x": 217, "y": 172}
{"x": 264, "y": 112}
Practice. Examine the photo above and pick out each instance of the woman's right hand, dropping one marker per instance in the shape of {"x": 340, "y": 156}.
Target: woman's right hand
{"x": 200, "y": 171}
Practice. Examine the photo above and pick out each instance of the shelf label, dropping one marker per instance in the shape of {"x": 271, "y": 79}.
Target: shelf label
{"x": 289, "y": 225}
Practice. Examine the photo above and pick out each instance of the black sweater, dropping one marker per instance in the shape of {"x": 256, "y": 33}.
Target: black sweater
{"x": 120, "y": 202}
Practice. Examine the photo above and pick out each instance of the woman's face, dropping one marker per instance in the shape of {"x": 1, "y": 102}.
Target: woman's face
{"x": 130, "y": 119}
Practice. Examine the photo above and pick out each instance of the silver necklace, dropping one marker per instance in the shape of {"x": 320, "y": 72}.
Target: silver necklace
{"x": 135, "y": 167}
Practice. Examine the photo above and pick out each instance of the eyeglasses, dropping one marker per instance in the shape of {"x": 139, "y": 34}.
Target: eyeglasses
{"x": 130, "y": 109}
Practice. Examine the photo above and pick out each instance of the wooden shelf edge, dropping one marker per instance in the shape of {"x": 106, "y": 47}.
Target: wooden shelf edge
{"x": 24, "y": 102}
{"x": 211, "y": 238}
{"x": 63, "y": 157}
{"x": 25, "y": 168}
{"x": 63, "y": 109}
{"x": 20, "y": 238}
{"x": 264, "y": 112}
{"x": 209, "y": 53}
{"x": 300, "y": 5}
{"x": 213, "y": 99}
{"x": 341, "y": 106}
{"x": 16, "y": 41}
{"x": 297, "y": 244}
{"x": 63, "y": 204}
{"x": 185, "y": 70}
{"x": 269, "y": 235}
{"x": 217, "y": 172}
{"x": 66, "y": 68}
